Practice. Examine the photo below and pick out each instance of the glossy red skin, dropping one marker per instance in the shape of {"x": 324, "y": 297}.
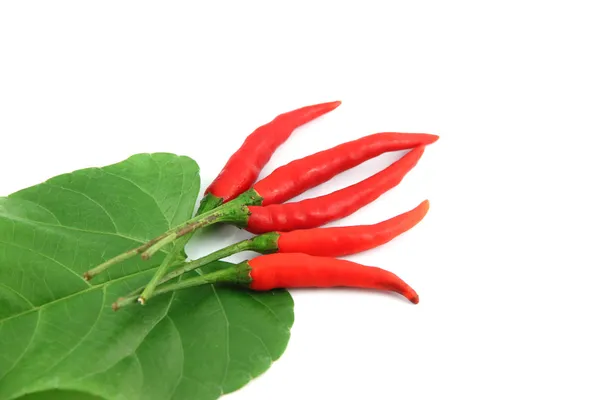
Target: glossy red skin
{"x": 318, "y": 211}
{"x": 342, "y": 241}
{"x": 296, "y": 270}
{"x": 298, "y": 176}
{"x": 244, "y": 166}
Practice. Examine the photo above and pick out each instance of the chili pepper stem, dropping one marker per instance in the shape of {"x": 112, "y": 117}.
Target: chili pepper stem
{"x": 136, "y": 293}
{"x": 235, "y": 248}
{"x": 146, "y": 255}
{"x": 264, "y": 244}
{"x": 234, "y": 212}
{"x": 195, "y": 223}
{"x": 122, "y": 302}
{"x": 239, "y": 273}
{"x": 161, "y": 271}
{"x": 115, "y": 260}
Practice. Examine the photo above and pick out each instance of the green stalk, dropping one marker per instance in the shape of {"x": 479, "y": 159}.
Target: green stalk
{"x": 209, "y": 202}
{"x": 238, "y": 274}
{"x": 264, "y": 244}
{"x": 236, "y": 212}
{"x": 160, "y": 272}
{"x": 121, "y": 257}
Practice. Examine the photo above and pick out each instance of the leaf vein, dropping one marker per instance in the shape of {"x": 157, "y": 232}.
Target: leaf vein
{"x": 226, "y": 337}
{"x": 259, "y": 339}
{"x": 100, "y": 286}
{"x": 89, "y": 198}
{"x": 182, "y": 359}
{"x": 18, "y": 294}
{"x": 37, "y": 323}
{"x": 49, "y": 258}
{"x": 144, "y": 191}
{"x": 42, "y": 207}
{"x": 133, "y": 353}
{"x": 84, "y": 336}
{"x": 180, "y": 193}
{"x": 253, "y": 297}
{"x": 31, "y": 222}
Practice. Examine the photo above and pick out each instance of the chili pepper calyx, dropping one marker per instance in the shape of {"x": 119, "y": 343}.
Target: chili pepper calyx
{"x": 266, "y": 243}
{"x": 209, "y": 202}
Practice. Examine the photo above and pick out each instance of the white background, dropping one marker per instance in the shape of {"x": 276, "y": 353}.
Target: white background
{"x": 506, "y": 263}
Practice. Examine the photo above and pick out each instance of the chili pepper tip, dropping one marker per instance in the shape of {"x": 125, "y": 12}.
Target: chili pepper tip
{"x": 414, "y": 299}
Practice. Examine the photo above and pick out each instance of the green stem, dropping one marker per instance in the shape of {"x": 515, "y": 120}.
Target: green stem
{"x": 161, "y": 271}
{"x": 237, "y": 274}
{"x": 236, "y": 211}
{"x": 264, "y": 244}
{"x": 121, "y": 257}
{"x": 217, "y": 255}
{"x": 244, "y": 245}
{"x": 148, "y": 249}
{"x": 146, "y": 255}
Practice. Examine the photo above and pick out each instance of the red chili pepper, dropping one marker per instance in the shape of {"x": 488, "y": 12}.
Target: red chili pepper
{"x": 296, "y": 270}
{"x": 326, "y": 242}
{"x": 244, "y": 166}
{"x": 296, "y": 177}
{"x": 345, "y": 240}
{"x": 293, "y": 270}
{"x": 305, "y": 214}
{"x": 318, "y": 211}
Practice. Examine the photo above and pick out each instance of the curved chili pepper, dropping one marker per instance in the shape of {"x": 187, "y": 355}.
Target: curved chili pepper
{"x": 326, "y": 242}
{"x": 296, "y": 177}
{"x": 346, "y": 240}
{"x": 244, "y": 166}
{"x": 318, "y": 211}
{"x": 294, "y": 270}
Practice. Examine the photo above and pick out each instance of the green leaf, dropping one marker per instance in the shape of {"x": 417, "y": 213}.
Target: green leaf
{"x": 59, "y": 337}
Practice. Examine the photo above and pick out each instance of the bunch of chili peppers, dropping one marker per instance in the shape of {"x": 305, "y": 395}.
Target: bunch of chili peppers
{"x": 296, "y": 252}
